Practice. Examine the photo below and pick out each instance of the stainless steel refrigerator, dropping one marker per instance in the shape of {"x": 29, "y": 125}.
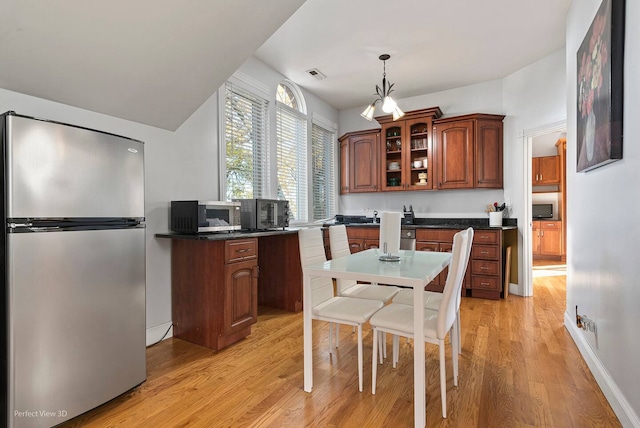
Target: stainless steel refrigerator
{"x": 73, "y": 269}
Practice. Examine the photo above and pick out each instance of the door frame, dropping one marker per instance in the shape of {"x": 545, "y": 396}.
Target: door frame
{"x": 526, "y": 137}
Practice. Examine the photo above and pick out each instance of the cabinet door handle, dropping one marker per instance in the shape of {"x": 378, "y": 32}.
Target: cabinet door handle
{"x": 542, "y": 233}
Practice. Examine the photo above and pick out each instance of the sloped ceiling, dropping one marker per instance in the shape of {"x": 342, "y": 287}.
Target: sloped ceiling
{"x": 149, "y": 61}
{"x": 156, "y": 61}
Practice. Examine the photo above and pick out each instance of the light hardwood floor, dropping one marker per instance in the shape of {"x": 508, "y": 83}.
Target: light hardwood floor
{"x": 519, "y": 368}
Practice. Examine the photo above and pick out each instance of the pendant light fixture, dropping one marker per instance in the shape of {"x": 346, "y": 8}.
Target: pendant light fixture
{"x": 388, "y": 104}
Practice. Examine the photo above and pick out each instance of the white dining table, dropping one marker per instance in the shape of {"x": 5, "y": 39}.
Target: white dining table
{"x": 415, "y": 269}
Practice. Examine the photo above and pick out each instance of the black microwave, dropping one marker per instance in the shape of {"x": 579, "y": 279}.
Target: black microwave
{"x": 542, "y": 211}
{"x": 262, "y": 214}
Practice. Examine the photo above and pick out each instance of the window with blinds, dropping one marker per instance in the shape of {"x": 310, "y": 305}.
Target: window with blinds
{"x": 291, "y": 131}
{"x": 322, "y": 161}
{"x": 245, "y": 134}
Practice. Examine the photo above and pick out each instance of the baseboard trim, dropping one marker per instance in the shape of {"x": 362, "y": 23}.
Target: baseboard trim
{"x": 615, "y": 397}
{"x": 155, "y": 333}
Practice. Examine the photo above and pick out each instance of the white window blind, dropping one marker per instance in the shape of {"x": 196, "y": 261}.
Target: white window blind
{"x": 246, "y": 144}
{"x": 323, "y": 161}
{"x": 291, "y": 131}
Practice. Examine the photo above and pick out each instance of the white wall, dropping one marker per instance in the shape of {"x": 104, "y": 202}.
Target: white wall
{"x": 178, "y": 165}
{"x": 604, "y": 231}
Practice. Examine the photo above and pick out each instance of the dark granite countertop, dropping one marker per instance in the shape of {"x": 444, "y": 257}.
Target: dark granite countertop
{"x": 222, "y": 236}
{"x": 434, "y": 223}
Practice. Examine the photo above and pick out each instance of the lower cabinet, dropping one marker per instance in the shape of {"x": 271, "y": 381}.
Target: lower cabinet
{"x": 547, "y": 239}
{"x": 486, "y": 264}
{"x": 214, "y": 290}
{"x": 438, "y": 240}
{"x": 363, "y": 238}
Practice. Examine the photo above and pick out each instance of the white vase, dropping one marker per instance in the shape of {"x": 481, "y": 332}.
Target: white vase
{"x": 590, "y": 136}
{"x": 495, "y": 219}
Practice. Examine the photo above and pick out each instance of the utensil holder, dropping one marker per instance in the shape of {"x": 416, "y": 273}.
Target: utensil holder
{"x": 495, "y": 219}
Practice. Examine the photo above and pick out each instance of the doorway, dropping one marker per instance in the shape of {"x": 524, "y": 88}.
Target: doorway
{"x": 539, "y": 142}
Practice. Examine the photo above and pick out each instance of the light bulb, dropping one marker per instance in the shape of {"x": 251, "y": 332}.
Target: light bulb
{"x": 368, "y": 112}
{"x": 397, "y": 113}
{"x": 388, "y": 105}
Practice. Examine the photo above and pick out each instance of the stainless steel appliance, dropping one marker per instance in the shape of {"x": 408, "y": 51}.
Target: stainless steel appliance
{"x": 73, "y": 269}
{"x": 260, "y": 214}
{"x": 204, "y": 216}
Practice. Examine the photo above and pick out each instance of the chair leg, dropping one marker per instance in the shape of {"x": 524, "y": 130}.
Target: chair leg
{"x": 459, "y": 333}
{"x": 381, "y": 345}
{"x": 383, "y": 337}
{"x": 360, "y": 356}
{"x": 396, "y": 349}
{"x": 330, "y": 338}
{"x": 454, "y": 359}
{"x": 337, "y": 335}
{"x": 374, "y": 364}
{"x": 443, "y": 381}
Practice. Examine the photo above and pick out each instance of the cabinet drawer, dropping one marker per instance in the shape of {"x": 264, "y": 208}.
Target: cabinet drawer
{"x": 484, "y": 252}
{"x": 548, "y": 225}
{"x": 438, "y": 235}
{"x": 485, "y": 282}
{"x": 427, "y": 246}
{"x": 485, "y": 237}
{"x": 481, "y": 267}
{"x": 240, "y": 249}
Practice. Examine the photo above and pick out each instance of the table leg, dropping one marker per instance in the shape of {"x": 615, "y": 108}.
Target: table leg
{"x": 308, "y": 333}
{"x": 419, "y": 388}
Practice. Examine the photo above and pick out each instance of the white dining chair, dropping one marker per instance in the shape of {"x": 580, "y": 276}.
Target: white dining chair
{"x": 339, "y": 243}
{"x": 325, "y": 305}
{"x": 432, "y": 301}
{"x": 397, "y": 318}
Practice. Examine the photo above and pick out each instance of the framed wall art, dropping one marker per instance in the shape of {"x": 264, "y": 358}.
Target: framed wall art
{"x": 600, "y": 61}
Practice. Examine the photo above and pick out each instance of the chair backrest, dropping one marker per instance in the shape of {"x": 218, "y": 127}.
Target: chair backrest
{"x": 339, "y": 243}
{"x": 453, "y": 287}
{"x": 390, "y": 231}
{"x": 312, "y": 252}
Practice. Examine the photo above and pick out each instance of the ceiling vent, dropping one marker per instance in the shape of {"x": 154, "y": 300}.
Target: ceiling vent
{"x": 316, "y": 73}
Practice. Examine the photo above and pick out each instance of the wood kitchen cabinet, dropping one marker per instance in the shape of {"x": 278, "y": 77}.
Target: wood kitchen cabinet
{"x": 359, "y": 160}
{"x": 437, "y": 240}
{"x": 545, "y": 170}
{"x": 363, "y": 238}
{"x": 469, "y": 151}
{"x": 547, "y": 239}
{"x": 214, "y": 290}
{"x": 403, "y": 143}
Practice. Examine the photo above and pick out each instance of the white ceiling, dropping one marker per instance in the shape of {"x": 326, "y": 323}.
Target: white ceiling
{"x": 434, "y": 45}
{"x": 156, "y": 61}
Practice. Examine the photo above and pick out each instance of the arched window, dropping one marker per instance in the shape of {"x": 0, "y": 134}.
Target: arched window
{"x": 291, "y": 151}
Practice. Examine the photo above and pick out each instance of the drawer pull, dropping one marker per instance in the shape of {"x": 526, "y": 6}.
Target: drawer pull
{"x": 484, "y": 283}
{"x": 484, "y": 268}
{"x": 484, "y": 252}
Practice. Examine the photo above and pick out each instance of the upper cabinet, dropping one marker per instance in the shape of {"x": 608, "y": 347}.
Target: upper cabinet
{"x": 423, "y": 151}
{"x": 468, "y": 151}
{"x": 406, "y": 159}
{"x": 359, "y": 161}
{"x": 545, "y": 170}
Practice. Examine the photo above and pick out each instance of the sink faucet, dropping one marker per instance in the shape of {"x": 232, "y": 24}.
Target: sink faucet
{"x": 375, "y": 216}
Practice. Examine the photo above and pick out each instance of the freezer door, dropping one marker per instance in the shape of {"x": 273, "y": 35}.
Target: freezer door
{"x": 56, "y": 170}
{"x": 76, "y": 321}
